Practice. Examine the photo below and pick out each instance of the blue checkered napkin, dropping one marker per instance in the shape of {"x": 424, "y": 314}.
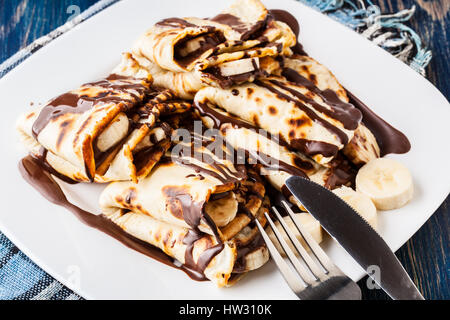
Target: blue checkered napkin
{"x": 21, "y": 279}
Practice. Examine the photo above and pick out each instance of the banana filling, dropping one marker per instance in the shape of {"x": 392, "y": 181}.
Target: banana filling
{"x": 234, "y": 72}
{"x": 107, "y": 144}
{"x": 232, "y": 68}
{"x": 222, "y": 210}
{"x": 115, "y": 132}
{"x": 189, "y": 49}
{"x": 150, "y": 149}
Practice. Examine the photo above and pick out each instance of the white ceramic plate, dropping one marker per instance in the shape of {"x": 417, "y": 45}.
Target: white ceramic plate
{"x": 98, "y": 266}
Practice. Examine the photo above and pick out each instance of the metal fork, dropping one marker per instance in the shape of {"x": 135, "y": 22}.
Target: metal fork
{"x": 320, "y": 280}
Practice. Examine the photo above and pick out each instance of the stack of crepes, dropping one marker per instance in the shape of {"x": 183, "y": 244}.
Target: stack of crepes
{"x": 241, "y": 73}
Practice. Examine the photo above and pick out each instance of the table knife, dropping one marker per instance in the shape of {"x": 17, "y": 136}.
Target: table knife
{"x": 356, "y": 236}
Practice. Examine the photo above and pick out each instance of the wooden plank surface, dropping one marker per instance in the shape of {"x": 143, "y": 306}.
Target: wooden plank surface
{"x": 425, "y": 256}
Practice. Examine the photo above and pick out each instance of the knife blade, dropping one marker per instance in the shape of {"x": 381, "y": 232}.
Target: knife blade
{"x": 356, "y": 236}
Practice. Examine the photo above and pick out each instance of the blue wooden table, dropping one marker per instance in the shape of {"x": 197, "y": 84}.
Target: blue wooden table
{"x": 425, "y": 256}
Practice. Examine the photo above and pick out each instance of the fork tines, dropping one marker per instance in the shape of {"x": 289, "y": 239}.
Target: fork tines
{"x": 311, "y": 273}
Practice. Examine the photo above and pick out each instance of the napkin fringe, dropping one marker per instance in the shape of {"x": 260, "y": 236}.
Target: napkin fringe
{"x": 388, "y": 31}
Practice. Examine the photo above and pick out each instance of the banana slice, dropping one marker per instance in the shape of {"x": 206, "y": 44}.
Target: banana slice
{"x": 116, "y": 131}
{"x": 363, "y": 147}
{"x": 306, "y": 220}
{"x": 387, "y": 182}
{"x": 360, "y": 202}
{"x": 191, "y": 46}
{"x": 223, "y": 210}
{"x": 232, "y": 68}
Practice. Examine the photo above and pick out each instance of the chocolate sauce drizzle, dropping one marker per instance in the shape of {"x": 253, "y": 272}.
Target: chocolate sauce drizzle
{"x": 345, "y": 113}
{"x": 247, "y": 31}
{"x": 226, "y": 82}
{"x": 204, "y": 110}
{"x": 175, "y": 23}
{"x": 122, "y": 84}
{"x": 218, "y": 170}
{"x": 272, "y": 164}
{"x": 389, "y": 139}
{"x": 265, "y": 160}
{"x": 291, "y": 21}
{"x": 309, "y": 147}
{"x": 74, "y": 103}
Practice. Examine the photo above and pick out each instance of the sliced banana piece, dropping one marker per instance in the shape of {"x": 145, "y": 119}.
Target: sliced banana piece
{"x": 115, "y": 132}
{"x": 363, "y": 147}
{"x": 387, "y": 182}
{"x": 307, "y": 221}
{"x": 360, "y": 202}
{"x": 232, "y": 68}
{"x": 223, "y": 210}
{"x": 191, "y": 46}
{"x": 254, "y": 259}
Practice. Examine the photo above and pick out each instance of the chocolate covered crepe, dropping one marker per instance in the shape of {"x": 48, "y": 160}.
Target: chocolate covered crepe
{"x": 313, "y": 123}
{"x": 292, "y": 103}
{"x": 277, "y": 163}
{"x": 88, "y": 135}
{"x": 235, "y": 46}
{"x": 363, "y": 147}
{"x": 305, "y": 107}
{"x": 196, "y": 206}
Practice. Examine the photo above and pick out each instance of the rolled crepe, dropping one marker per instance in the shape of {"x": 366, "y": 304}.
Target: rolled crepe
{"x": 363, "y": 147}
{"x": 80, "y": 126}
{"x": 193, "y": 205}
{"x": 271, "y": 156}
{"x": 186, "y": 84}
{"x": 192, "y": 187}
{"x": 309, "y": 120}
{"x": 87, "y": 134}
{"x": 236, "y": 46}
{"x": 148, "y": 142}
{"x": 277, "y": 163}
{"x": 220, "y": 262}
{"x": 179, "y": 45}
{"x": 175, "y": 242}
